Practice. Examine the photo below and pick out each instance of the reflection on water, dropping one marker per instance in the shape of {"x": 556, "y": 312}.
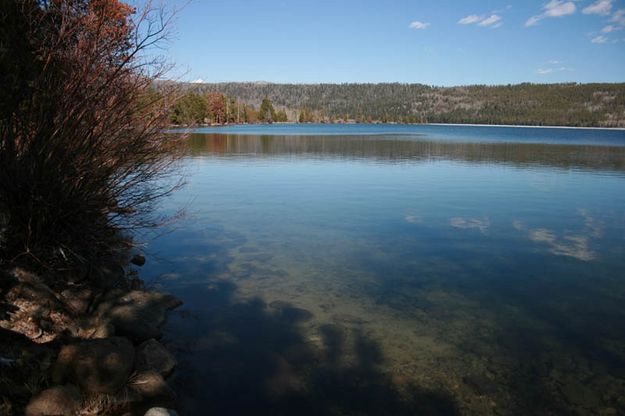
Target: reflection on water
{"x": 398, "y": 275}
{"x": 398, "y": 149}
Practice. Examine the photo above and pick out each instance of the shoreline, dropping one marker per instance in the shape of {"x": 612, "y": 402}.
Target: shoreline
{"x": 99, "y": 340}
{"x": 519, "y": 126}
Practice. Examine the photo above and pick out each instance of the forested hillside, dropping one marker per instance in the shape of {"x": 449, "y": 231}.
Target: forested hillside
{"x": 597, "y": 105}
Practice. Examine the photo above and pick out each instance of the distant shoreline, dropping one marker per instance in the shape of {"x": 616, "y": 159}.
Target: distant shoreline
{"x": 403, "y": 124}
{"x": 523, "y": 126}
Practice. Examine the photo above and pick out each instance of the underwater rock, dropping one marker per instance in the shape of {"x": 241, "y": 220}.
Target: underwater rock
{"x": 99, "y": 366}
{"x": 138, "y": 260}
{"x": 59, "y": 400}
{"x": 151, "y": 355}
{"x": 151, "y": 385}
{"x": 137, "y": 315}
{"x": 160, "y": 411}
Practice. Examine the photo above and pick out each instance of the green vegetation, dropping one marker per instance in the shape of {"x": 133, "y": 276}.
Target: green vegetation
{"x": 266, "y": 114}
{"x": 582, "y": 105}
{"x": 196, "y": 108}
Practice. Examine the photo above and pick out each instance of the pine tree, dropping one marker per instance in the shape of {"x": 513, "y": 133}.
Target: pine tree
{"x": 267, "y": 113}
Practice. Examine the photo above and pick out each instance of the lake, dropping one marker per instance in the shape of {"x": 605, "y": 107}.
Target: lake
{"x": 390, "y": 270}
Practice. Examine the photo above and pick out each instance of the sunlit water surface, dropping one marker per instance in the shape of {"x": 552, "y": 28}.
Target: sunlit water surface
{"x": 397, "y": 270}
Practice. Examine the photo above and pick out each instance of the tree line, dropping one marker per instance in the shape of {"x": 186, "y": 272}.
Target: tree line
{"x": 571, "y": 104}
{"x": 195, "y": 108}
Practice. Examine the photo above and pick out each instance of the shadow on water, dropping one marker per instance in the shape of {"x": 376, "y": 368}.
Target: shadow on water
{"x": 247, "y": 357}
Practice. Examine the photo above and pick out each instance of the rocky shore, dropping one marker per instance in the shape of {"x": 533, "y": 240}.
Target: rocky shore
{"x": 87, "y": 347}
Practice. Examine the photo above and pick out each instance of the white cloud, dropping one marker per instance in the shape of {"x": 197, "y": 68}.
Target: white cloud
{"x": 198, "y": 81}
{"x": 547, "y": 71}
{"x": 599, "y": 39}
{"x": 471, "y": 19}
{"x": 609, "y": 29}
{"x": 602, "y": 7}
{"x": 559, "y": 8}
{"x": 418, "y": 25}
{"x": 554, "y": 8}
{"x": 491, "y": 20}
{"x": 553, "y": 66}
{"x": 619, "y": 17}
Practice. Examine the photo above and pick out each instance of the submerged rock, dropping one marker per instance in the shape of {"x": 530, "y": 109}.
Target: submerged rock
{"x": 151, "y": 385}
{"x": 138, "y": 260}
{"x": 137, "y": 315}
{"x": 160, "y": 411}
{"x": 151, "y": 355}
{"x": 98, "y": 366}
{"x": 59, "y": 400}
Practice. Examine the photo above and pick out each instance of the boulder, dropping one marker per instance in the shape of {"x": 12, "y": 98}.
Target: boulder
{"x": 59, "y": 400}
{"x": 138, "y": 314}
{"x": 151, "y": 355}
{"x": 98, "y": 366}
{"x": 138, "y": 260}
{"x": 151, "y": 385}
{"x": 160, "y": 411}
{"x": 30, "y": 288}
{"x": 96, "y": 331}
{"x": 108, "y": 276}
{"x": 78, "y": 298}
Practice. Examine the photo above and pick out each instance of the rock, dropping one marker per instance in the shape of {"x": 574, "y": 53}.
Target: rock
{"x": 137, "y": 315}
{"x": 24, "y": 276}
{"x": 160, "y": 411}
{"x": 34, "y": 291}
{"x": 151, "y": 385}
{"x": 151, "y": 355}
{"x": 78, "y": 298}
{"x": 97, "y": 331}
{"x": 136, "y": 284}
{"x": 59, "y": 400}
{"x": 108, "y": 276}
{"x": 138, "y": 260}
{"x": 99, "y": 366}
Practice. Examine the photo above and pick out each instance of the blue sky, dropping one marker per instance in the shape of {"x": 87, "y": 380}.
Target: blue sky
{"x": 442, "y": 42}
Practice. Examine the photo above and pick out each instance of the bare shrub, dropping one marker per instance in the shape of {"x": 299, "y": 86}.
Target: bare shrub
{"x": 83, "y": 152}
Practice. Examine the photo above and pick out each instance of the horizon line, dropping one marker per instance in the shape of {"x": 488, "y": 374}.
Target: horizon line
{"x": 394, "y": 82}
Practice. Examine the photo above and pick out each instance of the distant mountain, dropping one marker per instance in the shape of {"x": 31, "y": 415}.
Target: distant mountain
{"x": 592, "y": 105}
